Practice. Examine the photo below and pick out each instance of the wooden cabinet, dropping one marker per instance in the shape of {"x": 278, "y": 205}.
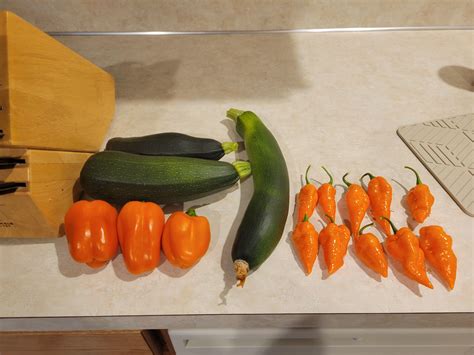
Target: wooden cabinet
{"x": 75, "y": 343}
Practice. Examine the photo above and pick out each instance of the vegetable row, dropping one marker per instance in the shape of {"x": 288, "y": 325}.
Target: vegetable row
{"x": 402, "y": 245}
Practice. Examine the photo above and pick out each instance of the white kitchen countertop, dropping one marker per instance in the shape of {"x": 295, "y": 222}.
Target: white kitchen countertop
{"x": 330, "y": 99}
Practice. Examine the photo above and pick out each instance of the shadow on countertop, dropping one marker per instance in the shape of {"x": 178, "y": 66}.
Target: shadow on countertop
{"x": 220, "y": 67}
{"x": 458, "y": 76}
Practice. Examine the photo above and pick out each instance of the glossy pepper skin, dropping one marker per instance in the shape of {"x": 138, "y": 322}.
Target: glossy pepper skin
{"x": 380, "y": 197}
{"x": 438, "y": 249}
{"x": 369, "y": 250}
{"x": 327, "y": 197}
{"x": 404, "y": 247}
{"x": 419, "y": 199}
{"x": 307, "y": 198}
{"x": 305, "y": 240}
{"x": 140, "y": 225}
{"x": 186, "y": 238}
{"x": 334, "y": 239}
{"x": 91, "y": 231}
{"x": 357, "y": 202}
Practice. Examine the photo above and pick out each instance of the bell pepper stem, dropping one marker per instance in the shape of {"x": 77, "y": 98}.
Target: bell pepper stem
{"x": 394, "y": 229}
{"x": 191, "y": 212}
{"x": 234, "y": 113}
{"x": 366, "y": 226}
{"x": 305, "y": 219}
{"x": 306, "y": 175}
{"x": 345, "y": 181}
{"x": 229, "y": 147}
{"x": 418, "y": 180}
{"x": 367, "y": 174}
{"x": 331, "y": 180}
{"x": 330, "y": 218}
{"x": 243, "y": 168}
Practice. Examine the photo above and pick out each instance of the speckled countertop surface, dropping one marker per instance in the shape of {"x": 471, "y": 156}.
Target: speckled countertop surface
{"x": 332, "y": 99}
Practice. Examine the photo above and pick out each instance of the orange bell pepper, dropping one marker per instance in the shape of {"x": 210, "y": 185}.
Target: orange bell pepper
{"x": 334, "y": 239}
{"x": 327, "y": 197}
{"x": 404, "y": 247}
{"x": 91, "y": 231}
{"x": 305, "y": 240}
{"x": 140, "y": 225}
{"x": 369, "y": 250}
{"x": 186, "y": 238}
{"x": 307, "y": 199}
{"x": 419, "y": 199}
{"x": 357, "y": 202}
{"x": 438, "y": 249}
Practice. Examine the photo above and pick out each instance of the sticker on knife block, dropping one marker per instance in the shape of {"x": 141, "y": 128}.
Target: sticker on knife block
{"x": 445, "y": 147}
{"x": 36, "y": 189}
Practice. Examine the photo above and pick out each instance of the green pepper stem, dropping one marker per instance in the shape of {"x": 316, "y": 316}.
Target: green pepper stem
{"x": 229, "y": 147}
{"x": 306, "y": 175}
{"x": 234, "y": 113}
{"x": 418, "y": 180}
{"x": 394, "y": 229}
{"x": 330, "y": 218}
{"x": 367, "y": 225}
{"x": 345, "y": 181}
{"x": 191, "y": 212}
{"x": 305, "y": 219}
{"x": 367, "y": 174}
{"x": 243, "y": 168}
{"x": 331, "y": 180}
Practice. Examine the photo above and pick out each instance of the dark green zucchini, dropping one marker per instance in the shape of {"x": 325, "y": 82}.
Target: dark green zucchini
{"x": 119, "y": 177}
{"x": 265, "y": 217}
{"x": 172, "y": 144}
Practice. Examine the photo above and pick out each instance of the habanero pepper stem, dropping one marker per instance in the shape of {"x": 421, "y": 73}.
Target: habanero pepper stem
{"x": 394, "y": 229}
{"x": 306, "y": 175}
{"x": 364, "y": 227}
{"x": 418, "y": 180}
{"x": 331, "y": 180}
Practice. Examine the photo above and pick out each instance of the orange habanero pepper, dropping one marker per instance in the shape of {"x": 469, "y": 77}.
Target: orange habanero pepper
{"x": 305, "y": 240}
{"x": 140, "y": 225}
{"x": 437, "y": 246}
{"x": 307, "y": 199}
{"x": 419, "y": 199}
{"x": 380, "y": 196}
{"x": 327, "y": 197}
{"x": 357, "y": 202}
{"x": 91, "y": 231}
{"x": 334, "y": 239}
{"x": 404, "y": 247}
{"x": 369, "y": 250}
{"x": 186, "y": 238}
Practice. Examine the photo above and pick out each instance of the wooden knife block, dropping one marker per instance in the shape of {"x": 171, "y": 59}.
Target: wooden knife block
{"x": 55, "y": 108}
{"x": 50, "y": 96}
{"x": 38, "y": 209}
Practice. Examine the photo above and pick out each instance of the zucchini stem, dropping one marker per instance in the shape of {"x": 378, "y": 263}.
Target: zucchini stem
{"x": 234, "y": 113}
{"x": 243, "y": 168}
{"x": 229, "y": 147}
{"x": 241, "y": 269}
